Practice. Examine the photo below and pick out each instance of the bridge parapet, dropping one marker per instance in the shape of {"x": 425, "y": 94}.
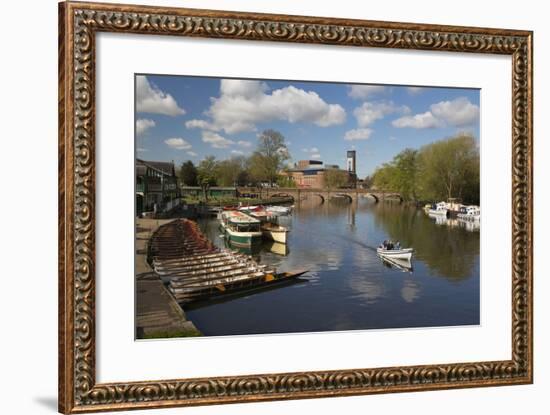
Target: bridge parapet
{"x": 324, "y": 194}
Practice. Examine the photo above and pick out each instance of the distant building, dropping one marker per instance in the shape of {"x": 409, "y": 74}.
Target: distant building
{"x": 311, "y": 173}
{"x": 351, "y": 164}
{"x": 156, "y": 184}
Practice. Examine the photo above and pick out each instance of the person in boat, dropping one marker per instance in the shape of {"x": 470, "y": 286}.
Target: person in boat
{"x": 384, "y": 244}
{"x": 389, "y": 246}
{"x": 397, "y": 245}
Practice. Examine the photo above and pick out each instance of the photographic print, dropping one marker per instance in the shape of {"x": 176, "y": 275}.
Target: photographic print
{"x": 289, "y": 212}
{"x": 279, "y": 206}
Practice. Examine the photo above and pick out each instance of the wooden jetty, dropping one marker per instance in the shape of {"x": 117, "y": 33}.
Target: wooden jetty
{"x": 194, "y": 269}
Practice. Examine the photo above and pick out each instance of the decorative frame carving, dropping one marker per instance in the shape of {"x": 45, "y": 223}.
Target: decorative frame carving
{"x": 78, "y": 24}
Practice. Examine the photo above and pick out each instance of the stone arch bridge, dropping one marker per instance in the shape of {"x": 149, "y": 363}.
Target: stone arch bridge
{"x": 297, "y": 194}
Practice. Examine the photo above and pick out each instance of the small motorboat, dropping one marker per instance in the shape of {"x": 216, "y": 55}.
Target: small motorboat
{"x": 279, "y": 210}
{"x": 403, "y": 254}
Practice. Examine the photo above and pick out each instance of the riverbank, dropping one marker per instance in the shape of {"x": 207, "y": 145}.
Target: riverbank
{"x": 158, "y": 315}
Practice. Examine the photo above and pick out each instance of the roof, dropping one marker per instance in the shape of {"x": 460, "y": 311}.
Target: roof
{"x": 239, "y": 217}
{"x": 165, "y": 167}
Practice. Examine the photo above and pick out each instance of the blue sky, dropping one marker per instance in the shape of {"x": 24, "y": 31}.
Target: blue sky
{"x": 188, "y": 118}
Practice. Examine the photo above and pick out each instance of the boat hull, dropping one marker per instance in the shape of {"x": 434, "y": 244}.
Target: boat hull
{"x": 274, "y": 233}
{"x": 401, "y": 254}
{"x": 242, "y": 239}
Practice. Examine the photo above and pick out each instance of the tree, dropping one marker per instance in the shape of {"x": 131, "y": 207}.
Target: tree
{"x": 335, "y": 178}
{"x": 406, "y": 166}
{"x": 206, "y": 175}
{"x": 232, "y": 171}
{"x": 441, "y": 170}
{"x": 450, "y": 168}
{"x": 284, "y": 180}
{"x": 269, "y": 157}
{"x": 188, "y": 174}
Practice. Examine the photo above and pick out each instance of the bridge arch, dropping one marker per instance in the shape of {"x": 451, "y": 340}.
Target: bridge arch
{"x": 344, "y": 195}
{"x": 375, "y": 197}
{"x": 320, "y": 195}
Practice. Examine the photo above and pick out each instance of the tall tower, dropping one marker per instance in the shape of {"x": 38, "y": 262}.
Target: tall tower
{"x": 351, "y": 166}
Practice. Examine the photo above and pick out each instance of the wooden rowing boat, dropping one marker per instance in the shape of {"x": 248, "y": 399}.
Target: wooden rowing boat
{"x": 256, "y": 282}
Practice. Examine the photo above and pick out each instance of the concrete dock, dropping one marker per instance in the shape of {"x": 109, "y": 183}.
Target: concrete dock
{"x": 158, "y": 315}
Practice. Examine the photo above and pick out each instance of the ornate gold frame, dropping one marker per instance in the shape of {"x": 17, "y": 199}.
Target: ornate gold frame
{"x": 78, "y": 24}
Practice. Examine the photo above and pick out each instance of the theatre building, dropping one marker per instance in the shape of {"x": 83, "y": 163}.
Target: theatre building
{"x": 312, "y": 173}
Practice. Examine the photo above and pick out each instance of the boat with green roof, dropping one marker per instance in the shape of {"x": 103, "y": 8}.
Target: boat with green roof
{"x": 240, "y": 229}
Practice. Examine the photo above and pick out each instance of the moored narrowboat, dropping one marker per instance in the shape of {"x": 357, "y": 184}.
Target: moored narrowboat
{"x": 240, "y": 229}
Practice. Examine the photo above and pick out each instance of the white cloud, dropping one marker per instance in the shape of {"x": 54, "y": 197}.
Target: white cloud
{"x": 414, "y": 90}
{"x": 192, "y": 153}
{"x": 143, "y": 124}
{"x": 425, "y": 120}
{"x": 459, "y": 112}
{"x": 216, "y": 140}
{"x": 310, "y": 150}
{"x": 178, "y": 143}
{"x": 142, "y": 150}
{"x": 315, "y": 156}
{"x": 151, "y": 99}
{"x": 365, "y": 91}
{"x": 369, "y": 112}
{"x": 237, "y": 152}
{"x": 392, "y": 138}
{"x": 243, "y": 103}
{"x": 243, "y": 143}
{"x": 202, "y": 124}
{"x": 358, "y": 134}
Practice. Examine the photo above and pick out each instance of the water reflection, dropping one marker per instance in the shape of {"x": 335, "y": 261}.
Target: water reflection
{"x": 449, "y": 251}
{"x": 410, "y": 290}
{"x": 349, "y": 286}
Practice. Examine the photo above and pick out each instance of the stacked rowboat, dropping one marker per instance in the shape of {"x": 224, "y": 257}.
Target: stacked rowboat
{"x": 195, "y": 269}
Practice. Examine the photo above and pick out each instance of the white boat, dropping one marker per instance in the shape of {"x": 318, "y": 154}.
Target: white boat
{"x": 470, "y": 213}
{"x": 249, "y": 208}
{"x": 274, "y": 232}
{"x": 271, "y": 230}
{"x": 279, "y": 210}
{"x": 241, "y": 229}
{"x": 439, "y": 209}
{"x": 404, "y": 254}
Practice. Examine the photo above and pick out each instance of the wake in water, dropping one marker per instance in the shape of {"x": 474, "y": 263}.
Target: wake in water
{"x": 372, "y": 248}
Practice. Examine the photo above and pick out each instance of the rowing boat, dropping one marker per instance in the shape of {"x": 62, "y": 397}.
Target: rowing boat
{"x": 405, "y": 253}
{"x": 249, "y": 282}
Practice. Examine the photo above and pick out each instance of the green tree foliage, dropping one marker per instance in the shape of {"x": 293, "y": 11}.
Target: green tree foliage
{"x": 269, "y": 157}
{"x": 227, "y": 172}
{"x": 206, "y": 174}
{"x": 188, "y": 174}
{"x": 450, "y": 168}
{"x": 441, "y": 170}
{"x": 285, "y": 181}
{"x": 335, "y": 178}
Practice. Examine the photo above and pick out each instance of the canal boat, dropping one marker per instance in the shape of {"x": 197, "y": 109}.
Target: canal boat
{"x": 405, "y": 253}
{"x": 274, "y": 232}
{"x": 240, "y": 229}
{"x": 440, "y": 209}
{"x": 271, "y": 230}
{"x": 470, "y": 213}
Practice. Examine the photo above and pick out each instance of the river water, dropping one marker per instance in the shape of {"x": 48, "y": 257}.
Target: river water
{"x": 348, "y": 287}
